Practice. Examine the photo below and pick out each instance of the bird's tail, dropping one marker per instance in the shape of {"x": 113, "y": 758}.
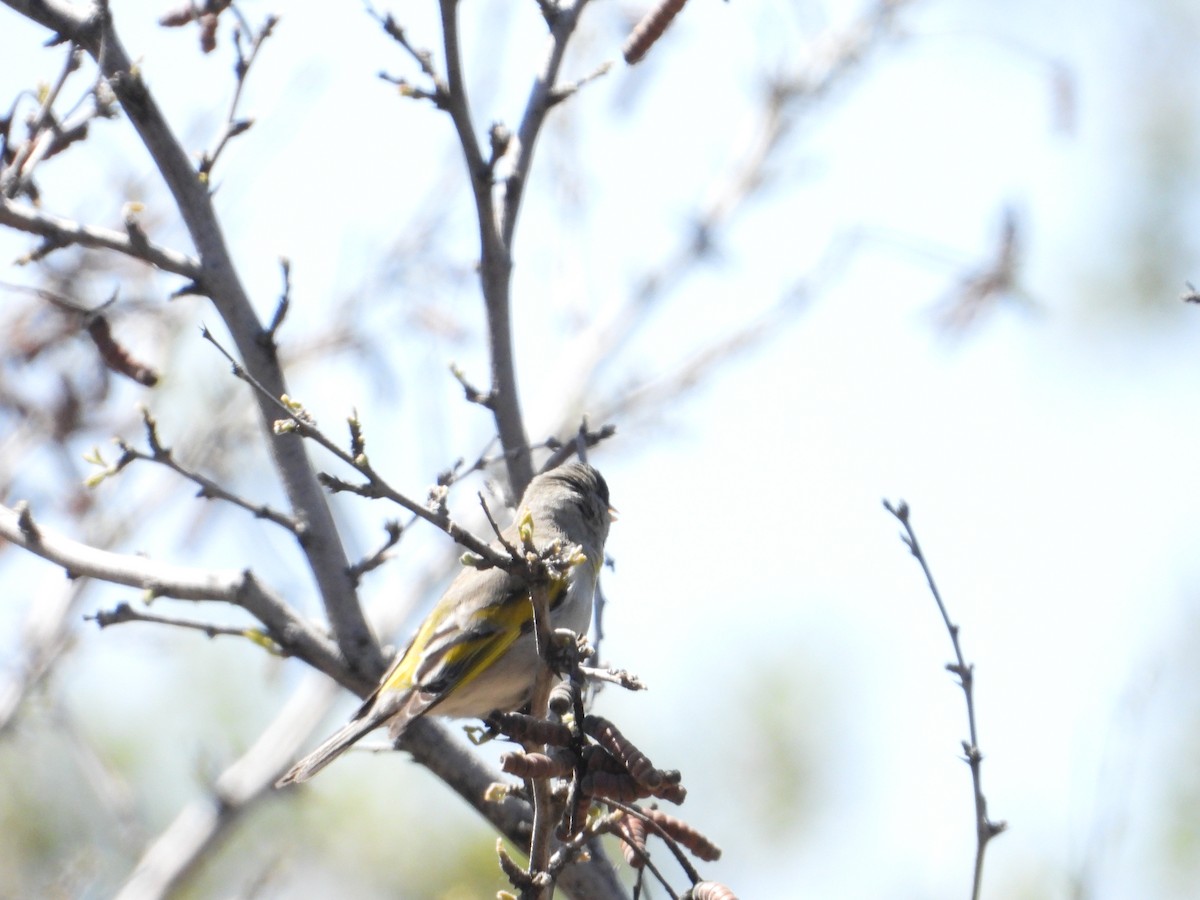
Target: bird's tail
{"x": 337, "y": 744}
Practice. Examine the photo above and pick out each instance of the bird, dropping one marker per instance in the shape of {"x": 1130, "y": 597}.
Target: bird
{"x": 475, "y": 652}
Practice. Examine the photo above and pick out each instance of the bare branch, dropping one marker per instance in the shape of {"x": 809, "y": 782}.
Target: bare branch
{"x": 619, "y": 677}
{"x": 43, "y": 132}
{"x": 997, "y": 280}
{"x": 568, "y": 89}
{"x": 432, "y": 747}
{"x": 58, "y": 232}
{"x": 160, "y": 579}
{"x": 295, "y": 419}
{"x": 233, "y": 125}
{"x": 424, "y": 59}
{"x": 562, "y": 450}
{"x": 394, "y": 532}
{"x": 537, "y": 106}
{"x": 473, "y": 394}
{"x": 495, "y": 265}
{"x": 672, "y": 844}
{"x": 92, "y": 28}
{"x": 123, "y": 613}
{"x": 209, "y": 489}
{"x": 282, "y": 306}
{"x": 985, "y": 828}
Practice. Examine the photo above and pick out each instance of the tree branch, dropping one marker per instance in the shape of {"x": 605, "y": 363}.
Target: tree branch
{"x": 497, "y": 211}
{"x": 985, "y": 828}
{"x": 542, "y": 97}
{"x": 233, "y": 125}
{"x": 43, "y": 133}
{"x": 295, "y": 419}
{"x": 239, "y": 588}
{"x": 59, "y": 232}
{"x": 123, "y": 612}
{"x": 358, "y": 663}
{"x": 471, "y": 779}
{"x": 320, "y": 543}
{"x": 208, "y": 489}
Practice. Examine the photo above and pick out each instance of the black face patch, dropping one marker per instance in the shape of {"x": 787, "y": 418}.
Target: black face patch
{"x": 584, "y": 479}
{"x": 602, "y": 487}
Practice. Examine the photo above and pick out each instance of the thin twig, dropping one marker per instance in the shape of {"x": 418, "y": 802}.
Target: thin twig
{"x": 424, "y": 59}
{"x": 42, "y": 132}
{"x": 985, "y": 828}
{"x": 282, "y": 306}
{"x": 92, "y": 28}
{"x": 564, "y": 450}
{"x": 123, "y": 612}
{"x": 233, "y": 125}
{"x": 568, "y": 89}
{"x": 672, "y": 844}
{"x": 394, "y": 532}
{"x": 505, "y": 542}
{"x": 238, "y": 587}
{"x": 58, "y": 232}
{"x": 209, "y": 489}
{"x": 997, "y": 280}
{"x": 543, "y": 802}
{"x": 643, "y": 856}
{"x": 560, "y": 452}
{"x": 619, "y": 677}
{"x": 296, "y": 419}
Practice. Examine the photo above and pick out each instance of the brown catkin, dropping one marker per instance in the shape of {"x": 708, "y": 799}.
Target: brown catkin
{"x": 672, "y": 792}
{"x": 650, "y": 29}
{"x": 533, "y": 765}
{"x": 632, "y": 832}
{"x": 621, "y": 788}
{"x": 700, "y": 846}
{"x": 521, "y": 727}
{"x": 117, "y": 357}
{"x": 610, "y": 738}
{"x": 710, "y": 890}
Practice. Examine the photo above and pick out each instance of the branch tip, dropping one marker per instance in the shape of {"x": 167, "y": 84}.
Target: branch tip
{"x": 282, "y": 306}
{"x": 973, "y": 756}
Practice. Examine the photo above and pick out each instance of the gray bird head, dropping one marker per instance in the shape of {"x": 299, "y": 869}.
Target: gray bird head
{"x": 574, "y": 497}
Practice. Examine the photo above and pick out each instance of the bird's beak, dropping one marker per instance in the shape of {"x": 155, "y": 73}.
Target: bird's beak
{"x": 612, "y": 514}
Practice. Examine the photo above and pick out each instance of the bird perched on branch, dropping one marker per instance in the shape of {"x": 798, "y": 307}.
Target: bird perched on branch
{"x": 476, "y": 651}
